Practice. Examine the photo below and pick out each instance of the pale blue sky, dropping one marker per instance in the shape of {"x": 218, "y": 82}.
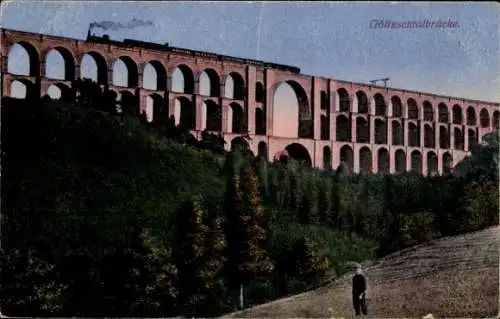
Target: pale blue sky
{"x": 327, "y": 39}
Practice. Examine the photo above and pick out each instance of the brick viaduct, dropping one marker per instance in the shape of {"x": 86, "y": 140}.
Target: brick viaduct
{"x": 370, "y": 128}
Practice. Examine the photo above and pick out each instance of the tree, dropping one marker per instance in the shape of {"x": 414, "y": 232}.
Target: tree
{"x": 212, "y": 142}
{"x": 232, "y": 209}
{"x": 261, "y": 167}
{"x": 478, "y": 206}
{"x": 335, "y": 201}
{"x": 190, "y": 237}
{"x": 274, "y": 185}
{"x": 212, "y": 267}
{"x": 89, "y": 95}
{"x": 155, "y": 277}
{"x": 484, "y": 159}
{"x": 138, "y": 279}
{"x": 311, "y": 266}
{"x": 27, "y": 287}
{"x": 108, "y": 102}
{"x": 308, "y": 204}
{"x": 283, "y": 185}
{"x": 295, "y": 192}
{"x": 247, "y": 258}
{"x": 343, "y": 170}
{"x": 143, "y": 119}
{"x": 325, "y": 200}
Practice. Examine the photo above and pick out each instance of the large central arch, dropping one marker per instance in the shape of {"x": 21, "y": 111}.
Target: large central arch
{"x": 292, "y": 115}
{"x": 299, "y": 153}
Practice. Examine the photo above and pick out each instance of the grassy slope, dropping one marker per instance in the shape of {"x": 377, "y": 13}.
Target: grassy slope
{"x": 450, "y": 277}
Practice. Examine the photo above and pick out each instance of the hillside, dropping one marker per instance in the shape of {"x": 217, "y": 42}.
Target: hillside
{"x": 78, "y": 182}
{"x": 99, "y": 209}
{"x": 449, "y": 277}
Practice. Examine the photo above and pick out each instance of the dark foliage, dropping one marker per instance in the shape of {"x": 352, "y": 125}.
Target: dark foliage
{"x": 101, "y": 214}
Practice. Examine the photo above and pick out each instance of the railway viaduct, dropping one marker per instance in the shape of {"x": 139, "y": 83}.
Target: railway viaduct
{"x": 370, "y": 128}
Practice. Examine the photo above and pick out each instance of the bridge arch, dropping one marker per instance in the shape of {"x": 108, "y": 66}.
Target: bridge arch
{"x": 416, "y": 161}
{"x": 325, "y": 127}
{"x": 447, "y": 163}
{"x": 209, "y": 83}
{"x": 459, "y": 138}
{"x": 127, "y": 103}
{"x": 472, "y": 139}
{"x": 365, "y": 160}
{"x": 362, "y": 130}
{"x": 60, "y": 64}
{"x": 238, "y": 118}
{"x": 154, "y": 76}
{"x": 380, "y": 131}
{"x": 185, "y": 113}
{"x": 93, "y": 66}
{"x": 457, "y": 115}
{"x": 347, "y": 156}
{"x": 234, "y": 87}
{"x": 154, "y": 108}
{"x": 443, "y": 113}
{"x": 428, "y": 111}
{"x": 397, "y": 133}
{"x": 125, "y": 65}
{"x": 182, "y": 79}
{"x": 213, "y": 115}
{"x": 23, "y": 59}
{"x": 383, "y": 161}
{"x": 397, "y": 106}
{"x": 343, "y": 128}
{"x": 413, "y": 135}
{"x": 291, "y": 111}
{"x": 344, "y": 101}
{"x": 363, "y": 103}
{"x": 58, "y": 91}
{"x": 444, "y": 137}
{"x": 471, "y": 116}
{"x": 400, "y": 161}
{"x": 496, "y": 120}
{"x": 413, "y": 111}
{"x": 259, "y": 92}
{"x": 23, "y": 89}
{"x": 260, "y": 122}
{"x": 432, "y": 163}
{"x": 299, "y": 153}
{"x": 429, "y": 136}
{"x": 240, "y": 144}
{"x": 484, "y": 118}
{"x": 380, "y": 105}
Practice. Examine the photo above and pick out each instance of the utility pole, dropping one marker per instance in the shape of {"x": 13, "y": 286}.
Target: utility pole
{"x": 241, "y": 297}
{"x": 385, "y": 80}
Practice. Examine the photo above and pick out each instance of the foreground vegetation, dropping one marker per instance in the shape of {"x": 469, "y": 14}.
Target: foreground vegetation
{"x": 450, "y": 277}
{"x": 105, "y": 214}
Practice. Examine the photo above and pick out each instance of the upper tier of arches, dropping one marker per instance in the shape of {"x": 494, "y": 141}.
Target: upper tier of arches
{"x": 65, "y": 60}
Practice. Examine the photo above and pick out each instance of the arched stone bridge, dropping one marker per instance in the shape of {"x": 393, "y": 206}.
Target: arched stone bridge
{"x": 370, "y": 128}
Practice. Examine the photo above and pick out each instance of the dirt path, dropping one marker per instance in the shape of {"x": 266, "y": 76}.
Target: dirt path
{"x": 450, "y": 277}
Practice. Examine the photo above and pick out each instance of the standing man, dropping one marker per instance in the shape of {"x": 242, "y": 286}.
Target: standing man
{"x": 358, "y": 292}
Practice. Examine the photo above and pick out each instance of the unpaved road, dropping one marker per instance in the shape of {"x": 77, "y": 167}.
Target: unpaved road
{"x": 449, "y": 277}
